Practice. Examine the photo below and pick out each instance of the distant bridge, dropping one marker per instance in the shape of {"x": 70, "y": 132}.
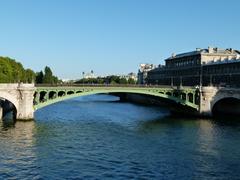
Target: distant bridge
{"x": 46, "y": 95}
{"x": 27, "y": 98}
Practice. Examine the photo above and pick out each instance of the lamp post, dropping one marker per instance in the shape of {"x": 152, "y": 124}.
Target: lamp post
{"x": 180, "y": 82}
{"x": 83, "y": 74}
{"x": 210, "y": 79}
{"x": 230, "y": 80}
{"x": 200, "y": 76}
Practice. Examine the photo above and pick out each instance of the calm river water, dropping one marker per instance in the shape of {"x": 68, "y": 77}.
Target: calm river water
{"x": 94, "y": 137}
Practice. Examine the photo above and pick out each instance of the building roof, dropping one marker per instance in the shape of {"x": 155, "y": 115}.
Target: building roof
{"x": 210, "y": 50}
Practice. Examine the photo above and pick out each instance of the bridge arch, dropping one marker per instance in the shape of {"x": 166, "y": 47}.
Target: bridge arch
{"x": 168, "y": 93}
{"x": 61, "y": 93}
{"x": 12, "y": 99}
{"x": 79, "y": 91}
{"x": 184, "y": 96}
{"x": 42, "y": 96}
{"x": 68, "y": 93}
{"x": 226, "y": 106}
{"x": 175, "y": 94}
{"x": 225, "y": 102}
{"x": 52, "y": 94}
{"x": 190, "y": 97}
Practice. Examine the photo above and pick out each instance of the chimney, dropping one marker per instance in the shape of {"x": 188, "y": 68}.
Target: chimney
{"x": 210, "y": 49}
{"x": 173, "y": 55}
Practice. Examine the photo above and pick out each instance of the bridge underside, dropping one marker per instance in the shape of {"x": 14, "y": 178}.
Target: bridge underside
{"x": 7, "y": 108}
{"x": 170, "y": 105}
{"x": 227, "y": 107}
{"x": 45, "y": 96}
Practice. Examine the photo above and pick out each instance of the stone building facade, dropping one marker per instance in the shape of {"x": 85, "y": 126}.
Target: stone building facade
{"x": 212, "y": 66}
{"x": 143, "y": 72}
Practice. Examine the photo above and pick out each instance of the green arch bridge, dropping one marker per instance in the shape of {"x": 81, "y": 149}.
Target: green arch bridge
{"x": 203, "y": 101}
{"x": 47, "y": 95}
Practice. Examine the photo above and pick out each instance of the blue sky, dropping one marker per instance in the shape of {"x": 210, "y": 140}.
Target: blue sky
{"x": 112, "y": 36}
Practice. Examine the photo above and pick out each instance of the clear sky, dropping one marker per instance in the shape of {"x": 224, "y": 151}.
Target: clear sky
{"x": 112, "y": 36}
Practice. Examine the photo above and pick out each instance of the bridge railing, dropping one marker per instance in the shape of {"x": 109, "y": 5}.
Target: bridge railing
{"x": 112, "y": 85}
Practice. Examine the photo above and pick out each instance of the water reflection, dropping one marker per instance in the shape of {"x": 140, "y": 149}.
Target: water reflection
{"x": 207, "y": 147}
{"x": 85, "y": 138}
{"x": 17, "y": 151}
{"x": 7, "y": 124}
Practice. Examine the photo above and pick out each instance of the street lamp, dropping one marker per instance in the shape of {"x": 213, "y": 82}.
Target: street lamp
{"x": 230, "y": 80}
{"x": 200, "y": 76}
{"x": 180, "y": 83}
{"x": 210, "y": 79}
{"x": 83, "y": 74}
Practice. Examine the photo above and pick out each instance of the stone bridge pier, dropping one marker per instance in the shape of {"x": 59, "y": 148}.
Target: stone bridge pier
{"x": 224, "y": 100}
{"x": 21, "y": 97}
{"x": 206, "y": 96}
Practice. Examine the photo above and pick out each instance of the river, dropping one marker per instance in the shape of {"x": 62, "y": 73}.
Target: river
{"x": 94, "y": 137}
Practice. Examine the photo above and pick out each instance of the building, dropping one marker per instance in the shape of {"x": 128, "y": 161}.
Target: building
{"x": 143, "y": 72}
{"x": 212, "y": 66}
{"x": 89, "y": 75}
{"x": 132, "y": 76}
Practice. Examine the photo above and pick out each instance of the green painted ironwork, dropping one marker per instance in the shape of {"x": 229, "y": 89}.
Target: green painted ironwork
{"x": 48, "y": 95}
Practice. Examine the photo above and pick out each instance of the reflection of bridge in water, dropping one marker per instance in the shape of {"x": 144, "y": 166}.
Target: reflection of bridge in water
{"x": 26, "y": 98}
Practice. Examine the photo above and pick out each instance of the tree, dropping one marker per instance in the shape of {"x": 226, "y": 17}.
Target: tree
{"x": 39, "y": 77}
{"x": 123, "y": 80}
{"x": 5, "y": 71}
{"x": 131, "y": 81}
{"x": 30, "y": 76}
{"x": 48, "y": 76}
{"x": 20, "y": 71}
{"x": 12, "y": 71}
{"x": 55, "y": 80}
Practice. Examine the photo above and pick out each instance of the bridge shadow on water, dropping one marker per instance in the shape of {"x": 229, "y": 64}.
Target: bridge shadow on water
{"x": 173, "y": 121}
{"x": 8, "y": 121}
{"x": 228, "y": 120}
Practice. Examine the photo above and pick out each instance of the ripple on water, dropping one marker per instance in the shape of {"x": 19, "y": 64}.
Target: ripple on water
{"x": 92, "y": 138}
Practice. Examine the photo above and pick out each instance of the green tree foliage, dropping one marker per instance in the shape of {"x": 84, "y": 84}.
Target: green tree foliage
{"x": 131, "y": 81}
{"x": 5, "y": 71}
{"x": 39, "y": 77}
{"x": 12, "y": 72}
{"x": 30, "y": 75}
{"x": 47, "y": 77}
{"x": 106, "y": 80}
{"x": 123, "y": 81}
{"x": 55, "y": 80}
